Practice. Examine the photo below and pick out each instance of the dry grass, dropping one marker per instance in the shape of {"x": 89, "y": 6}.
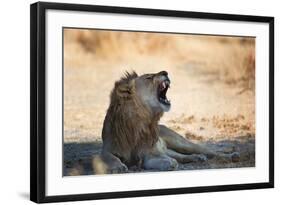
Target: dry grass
{"x": 233, "y": 58}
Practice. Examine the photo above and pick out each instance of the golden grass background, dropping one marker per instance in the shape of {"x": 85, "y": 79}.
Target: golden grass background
{"x": 212, "y": 90}
{"x": 232, "y": 57}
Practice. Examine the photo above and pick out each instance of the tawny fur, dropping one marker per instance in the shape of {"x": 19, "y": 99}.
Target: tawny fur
{"x": 134, "y": 129}
{"x": 131, "y": 134}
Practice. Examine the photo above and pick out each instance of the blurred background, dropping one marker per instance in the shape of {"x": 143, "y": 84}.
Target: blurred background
{"x": 212, "y": 87}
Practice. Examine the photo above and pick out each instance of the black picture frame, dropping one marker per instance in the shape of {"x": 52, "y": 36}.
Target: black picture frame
{"x": 38, "y": 100}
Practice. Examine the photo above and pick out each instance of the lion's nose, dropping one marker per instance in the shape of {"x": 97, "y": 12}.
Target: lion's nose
{"x": 163, "y": 73}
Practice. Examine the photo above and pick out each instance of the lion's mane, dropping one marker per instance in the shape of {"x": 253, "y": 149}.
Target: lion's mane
{"x": 129, "y": 126}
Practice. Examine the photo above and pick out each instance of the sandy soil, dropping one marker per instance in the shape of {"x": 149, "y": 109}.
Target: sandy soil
{"x": 210, "y": 113}
{"x": 205, "y": 109}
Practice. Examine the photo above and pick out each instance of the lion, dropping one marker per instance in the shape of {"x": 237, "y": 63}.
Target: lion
{"x": 132, "y": 136}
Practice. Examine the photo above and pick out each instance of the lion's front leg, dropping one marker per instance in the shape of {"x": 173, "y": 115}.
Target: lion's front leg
{"x": 186, "y": 158}
{"x": 159, "y": 162}
{"x": 107, "y": 163}
{"x": 157, "y": 159}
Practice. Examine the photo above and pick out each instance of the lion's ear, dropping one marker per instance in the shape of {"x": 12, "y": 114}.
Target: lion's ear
{"x": 126, "y": 90}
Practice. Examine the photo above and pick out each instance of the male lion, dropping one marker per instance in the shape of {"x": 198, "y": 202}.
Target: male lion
{"x": 131, "y": 134}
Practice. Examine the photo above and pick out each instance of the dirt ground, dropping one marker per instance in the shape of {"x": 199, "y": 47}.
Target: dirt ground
{"x": 212, "y": 102}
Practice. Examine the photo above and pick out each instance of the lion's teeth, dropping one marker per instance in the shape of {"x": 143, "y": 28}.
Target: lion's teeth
{"x": 163, "y": 85}
{"x": 167, "y": 83}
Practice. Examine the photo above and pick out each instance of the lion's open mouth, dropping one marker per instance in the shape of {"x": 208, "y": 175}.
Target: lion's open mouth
{"x": 162, "y": 90}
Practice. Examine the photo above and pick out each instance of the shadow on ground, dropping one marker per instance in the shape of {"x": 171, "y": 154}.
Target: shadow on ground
{"x": 78, "y": 156}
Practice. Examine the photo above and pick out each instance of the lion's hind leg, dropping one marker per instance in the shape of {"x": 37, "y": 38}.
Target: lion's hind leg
{"x": 176, "y": 142}
{"x": 179, "y": 144}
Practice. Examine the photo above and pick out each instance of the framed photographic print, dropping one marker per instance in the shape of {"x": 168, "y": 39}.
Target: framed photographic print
{"x": 129, "y": 102}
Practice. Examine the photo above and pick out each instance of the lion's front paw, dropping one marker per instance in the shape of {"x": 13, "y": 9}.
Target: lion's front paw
{"x": 160, "y": 163}
{"x": 120, "y": 168}
{"x": 168, "y": 164}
